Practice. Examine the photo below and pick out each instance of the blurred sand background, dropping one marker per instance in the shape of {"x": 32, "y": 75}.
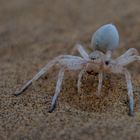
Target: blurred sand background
{"x": 32, "y": 32}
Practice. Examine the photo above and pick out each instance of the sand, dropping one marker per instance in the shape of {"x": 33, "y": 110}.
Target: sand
{"x": 32, "y": 32}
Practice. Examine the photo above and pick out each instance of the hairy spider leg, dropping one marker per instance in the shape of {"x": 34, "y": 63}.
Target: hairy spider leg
{"x": 79, "y": 80}
{"x": 85, "y": 55}
{"x": 128, "y": 60}
{"x": 130, "y": 92}
{"x": 128, "y": 53}
{"x": 57, "y": 90}
{"x": 70, "y": 64}
{"x": 45, "y": 69}
{"x": 81, "y": 50}
{"x": 36, "y": 77}
{"x": 100, "y": 83}
{"x": 119, "y": 69}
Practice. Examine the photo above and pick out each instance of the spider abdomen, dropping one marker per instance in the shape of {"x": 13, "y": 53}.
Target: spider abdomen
{"x": 105, "y": 38}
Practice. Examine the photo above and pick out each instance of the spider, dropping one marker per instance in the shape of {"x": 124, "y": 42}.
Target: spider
{"x": 104, "y": 41}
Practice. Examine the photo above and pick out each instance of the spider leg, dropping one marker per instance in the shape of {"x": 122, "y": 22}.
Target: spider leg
{"x": 36, "y": 77}
{"x": 108, "y": 55}
{"x": 81, "y": 50}
{"x": 45, "y": 69}
{"x": 75, "y": 63}
{"x": 57, "y": 90}
{"x": 130, "y": 92}
{"x": 128, "y": 60}
{"x": 119, "y": 69}
{"x": 100, "y": 83}
{"x": 128, "y": 53}
{"x": 79, "y": 80}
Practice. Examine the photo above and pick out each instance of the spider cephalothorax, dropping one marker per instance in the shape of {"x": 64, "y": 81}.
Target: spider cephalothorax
{"x": 98, "y": 61}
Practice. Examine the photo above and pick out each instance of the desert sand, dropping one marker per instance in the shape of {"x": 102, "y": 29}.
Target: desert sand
{"x": 32, "y": 32}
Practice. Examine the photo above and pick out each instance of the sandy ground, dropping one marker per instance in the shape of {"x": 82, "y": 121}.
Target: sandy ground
{"x": 32, "y": 32}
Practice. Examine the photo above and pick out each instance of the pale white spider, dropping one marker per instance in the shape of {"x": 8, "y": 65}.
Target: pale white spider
{"x": 104, "y": 41}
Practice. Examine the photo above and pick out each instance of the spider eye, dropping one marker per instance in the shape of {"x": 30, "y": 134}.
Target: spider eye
{"x": 106, "y": 62}
{"x": 93, "y": 58}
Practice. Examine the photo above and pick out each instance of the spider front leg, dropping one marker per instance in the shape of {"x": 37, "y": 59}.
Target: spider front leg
{"x": 108, "y": 56}
{"x": 79, "y": 80}
{"x": 57, "y": 90}
{"x": 100, "y": 83}
{"x": 130, "y": 52}
{"x": 128, "y": 60}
